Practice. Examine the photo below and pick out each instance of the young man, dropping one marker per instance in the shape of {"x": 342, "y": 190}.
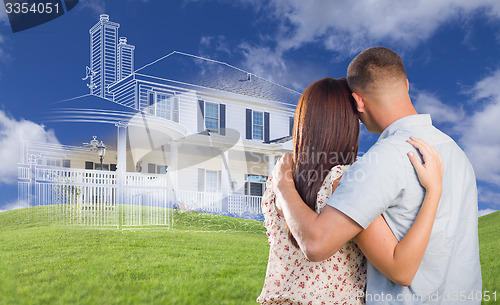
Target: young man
{"x": 384, "y": 182}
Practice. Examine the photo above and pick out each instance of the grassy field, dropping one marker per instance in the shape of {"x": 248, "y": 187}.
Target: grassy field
{"x": 207, "y": 259}
{"x": 489, "y": 252}
{"x": 217, "y": 260}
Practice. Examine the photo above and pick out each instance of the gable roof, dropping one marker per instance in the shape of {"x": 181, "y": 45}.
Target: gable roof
{"x": 208, "y": 73}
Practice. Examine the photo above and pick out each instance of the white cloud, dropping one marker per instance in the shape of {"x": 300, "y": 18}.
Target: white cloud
{"x": 263, "y": 61}
{"x": 347, "y": 27}
{"x": 4, "y": 19}
{"x": 13, "y": 134}
{"x": 296, "y": 74}
{"x": 97, "y": 6}
{"x": 217, "y": 45}
{"x": 488, "y": 196}
{"x": 487, "y": 88}
{"x": 18, "y": 204}
{"x": 440, "y": 112}
{"x": 485, "y": 212}
{"x": 350, "y": 26}
{"x": 477, "y": 129}
{"x": 481, "y": 139}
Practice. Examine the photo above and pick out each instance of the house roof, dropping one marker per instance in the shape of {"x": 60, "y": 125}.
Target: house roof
{"x": 90, "y": 108}
{"x": 280, "y": 140}
{"x": 211, "y": 74}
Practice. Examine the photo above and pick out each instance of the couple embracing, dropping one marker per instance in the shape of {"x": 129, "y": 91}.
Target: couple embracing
{"x": 396, "y": 226}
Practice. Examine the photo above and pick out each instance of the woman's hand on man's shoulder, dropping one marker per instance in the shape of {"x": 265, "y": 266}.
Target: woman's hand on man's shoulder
{"x": 282, "y": 174}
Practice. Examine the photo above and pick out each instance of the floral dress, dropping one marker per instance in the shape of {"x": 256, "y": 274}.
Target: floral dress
{"x": 293, "y": 279}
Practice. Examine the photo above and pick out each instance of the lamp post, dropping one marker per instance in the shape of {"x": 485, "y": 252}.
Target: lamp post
{"x": 101, "y": 148}
{"x": 94, "y": 145}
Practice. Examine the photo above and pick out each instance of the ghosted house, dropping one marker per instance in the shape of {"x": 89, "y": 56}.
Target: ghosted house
{"x": 214, "y": 130}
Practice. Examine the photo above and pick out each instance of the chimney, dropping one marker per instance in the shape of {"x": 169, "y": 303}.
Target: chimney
{"x": 125, "y": 59}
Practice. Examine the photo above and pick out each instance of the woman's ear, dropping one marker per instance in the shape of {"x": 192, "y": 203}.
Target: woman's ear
{"x": 360, "y": 103}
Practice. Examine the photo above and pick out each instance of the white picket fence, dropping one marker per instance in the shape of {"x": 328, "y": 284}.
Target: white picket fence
{"x": 102, "y": 198}
{"x": 200, "y": 201}
{"x": 91, "y": 197}
{"x": 240, "y": 204}
{"x": 235, "y": 204}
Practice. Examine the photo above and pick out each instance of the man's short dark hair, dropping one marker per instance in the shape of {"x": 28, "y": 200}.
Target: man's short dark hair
{"x": 374, "y": 65}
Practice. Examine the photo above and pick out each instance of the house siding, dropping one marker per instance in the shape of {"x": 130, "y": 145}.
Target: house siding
{"x": 190, "y": 163}
{"x": 235, "y": 110}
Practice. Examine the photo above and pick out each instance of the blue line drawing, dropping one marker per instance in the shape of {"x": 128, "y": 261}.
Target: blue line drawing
{"x": 192, "y": 133}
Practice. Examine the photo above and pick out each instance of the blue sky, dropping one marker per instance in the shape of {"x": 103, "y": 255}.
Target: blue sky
{"x": 451, "y": 49}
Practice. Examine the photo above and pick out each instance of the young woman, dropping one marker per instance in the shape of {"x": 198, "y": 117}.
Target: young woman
{"x": 326, "y": 134}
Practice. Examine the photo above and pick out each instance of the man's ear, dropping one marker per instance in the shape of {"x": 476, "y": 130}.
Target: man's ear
{"x": 360, "y": 103}
{"x": 407, "y": 85}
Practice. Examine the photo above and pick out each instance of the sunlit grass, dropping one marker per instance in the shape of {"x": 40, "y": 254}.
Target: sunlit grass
{"x": 206, "y": 259}
{"x": 212, "y": 260}
{"x": 489, "y": 251}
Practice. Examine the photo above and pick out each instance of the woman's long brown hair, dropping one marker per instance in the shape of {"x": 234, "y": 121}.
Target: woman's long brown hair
{"x": 325, "y": 134}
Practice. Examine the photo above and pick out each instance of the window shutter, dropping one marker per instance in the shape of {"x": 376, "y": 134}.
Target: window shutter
{"x": 266, "y": 126}
{"x": 249, "y": 124}
{"x": 201, "y": 180}
{"x": 175, "y": 114}
{"x": 201, "y": 115}
{"x": 291, "y": 126}
{"x": 222, "y": 119}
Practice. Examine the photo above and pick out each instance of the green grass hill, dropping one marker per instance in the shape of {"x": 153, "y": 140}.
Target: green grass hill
{"x": 205, "y": 259}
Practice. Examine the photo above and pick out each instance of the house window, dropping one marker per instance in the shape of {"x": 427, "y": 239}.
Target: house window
{"x": 97, "y": 166}
{"x": 54, "y": 163}
{"x": 258, "y": 125}
{"x": 156, "y": 169}
{"x": 212, "y": 117}
{"x": 211, "y": 181}
{"x": 151, "y": 102}
{"x": 66, "y": 163}
{"x": 163, "y": 106}
{"x": 89, "y": 165}
{"x": 255, "y": 185}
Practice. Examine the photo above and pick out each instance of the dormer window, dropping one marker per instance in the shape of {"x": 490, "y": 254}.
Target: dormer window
{"x": 164, "y": 105}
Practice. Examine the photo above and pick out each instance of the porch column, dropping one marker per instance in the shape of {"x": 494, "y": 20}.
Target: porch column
{"x": 121, "y": 169}
{"x": 226, "y": 185}
{"x": 272, "y": 161}
{"x": 174, "y": 165}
